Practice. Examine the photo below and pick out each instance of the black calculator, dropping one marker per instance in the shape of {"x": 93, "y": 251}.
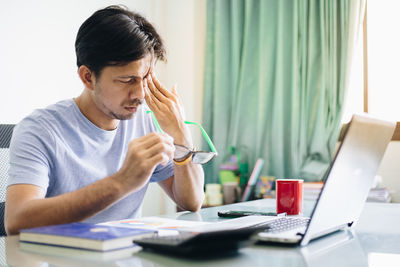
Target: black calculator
{"x": 191, "y": 243}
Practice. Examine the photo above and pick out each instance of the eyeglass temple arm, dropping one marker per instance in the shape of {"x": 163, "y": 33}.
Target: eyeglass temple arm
{"x": 155, "y": 121}
{"x": 210, "y": 143}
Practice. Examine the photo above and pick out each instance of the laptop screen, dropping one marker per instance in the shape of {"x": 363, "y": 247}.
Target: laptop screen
{"x": 350, "y": 176}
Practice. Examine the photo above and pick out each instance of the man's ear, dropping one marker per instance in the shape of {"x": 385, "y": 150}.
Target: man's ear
{"x": 87, "y": 77}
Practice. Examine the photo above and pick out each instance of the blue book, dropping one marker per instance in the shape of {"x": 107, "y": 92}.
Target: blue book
{"x": 78, "y": 253}
{"x": 85, "y": 235}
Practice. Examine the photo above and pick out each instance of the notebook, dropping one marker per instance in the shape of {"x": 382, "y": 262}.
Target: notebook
{"x": 85, "y": 236}
{"x": 346, "y": 187}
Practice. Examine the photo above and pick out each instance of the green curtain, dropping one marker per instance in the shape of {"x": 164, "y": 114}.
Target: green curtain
{"x": 275, "y": 77}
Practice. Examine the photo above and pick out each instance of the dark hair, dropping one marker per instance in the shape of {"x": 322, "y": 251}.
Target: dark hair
{"x": 115, "y": 36}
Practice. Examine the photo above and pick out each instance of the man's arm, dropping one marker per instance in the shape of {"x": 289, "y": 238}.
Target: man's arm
{"x": 26, "y": 205}
{"x": 186, "y": 187}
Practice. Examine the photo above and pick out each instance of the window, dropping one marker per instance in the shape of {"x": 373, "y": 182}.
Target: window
{"x": 378, "y": 55}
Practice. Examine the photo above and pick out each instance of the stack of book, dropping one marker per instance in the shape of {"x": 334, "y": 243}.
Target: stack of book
{"x": 379, "y": 195}
{"x": 312, "y": 190}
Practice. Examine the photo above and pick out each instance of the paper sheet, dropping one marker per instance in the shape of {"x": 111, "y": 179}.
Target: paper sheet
{"x": 156, "y": 223}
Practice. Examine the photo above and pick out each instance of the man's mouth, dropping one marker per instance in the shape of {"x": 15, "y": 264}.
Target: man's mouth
{"x": 131, "y": 109}
{"x": 133, "y": 105}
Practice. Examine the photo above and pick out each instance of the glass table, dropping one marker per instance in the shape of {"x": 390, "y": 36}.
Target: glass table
{"x": 374, "y": 241}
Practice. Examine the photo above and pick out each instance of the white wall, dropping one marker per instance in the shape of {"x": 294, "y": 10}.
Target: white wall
{"x": 390, "y": 170}
{"x": 38, "y": 64}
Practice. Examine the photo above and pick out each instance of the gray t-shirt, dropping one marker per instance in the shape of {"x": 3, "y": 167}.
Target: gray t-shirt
{"x": 60, "y": 150}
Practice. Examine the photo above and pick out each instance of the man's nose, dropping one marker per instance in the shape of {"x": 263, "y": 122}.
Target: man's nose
{"x": 137, "y": 91}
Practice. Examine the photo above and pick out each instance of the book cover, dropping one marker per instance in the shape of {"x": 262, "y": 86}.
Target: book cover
{"x": 85, "y": 235}
{"x": 76, "y": 253}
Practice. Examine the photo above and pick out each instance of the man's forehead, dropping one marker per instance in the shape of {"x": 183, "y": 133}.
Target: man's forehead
{"x": 138, "y": 68}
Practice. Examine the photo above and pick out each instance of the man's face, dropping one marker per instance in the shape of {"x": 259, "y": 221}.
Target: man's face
{"x": 118, "y": 91}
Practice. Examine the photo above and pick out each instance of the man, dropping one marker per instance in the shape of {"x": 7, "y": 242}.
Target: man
{"x": 91, "y": 158}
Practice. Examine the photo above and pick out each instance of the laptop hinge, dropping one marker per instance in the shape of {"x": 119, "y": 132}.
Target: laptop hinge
{"x": 328, "y": 231}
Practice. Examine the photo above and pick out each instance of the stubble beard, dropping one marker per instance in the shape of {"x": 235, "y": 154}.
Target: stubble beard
{"x": 135, "y": 102}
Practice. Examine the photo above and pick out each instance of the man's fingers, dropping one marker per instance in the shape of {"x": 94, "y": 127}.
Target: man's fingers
{"x": 173, "y": 90}
{"x": 151, "y": 139}
{"x": 161, "y": 148}
{"x": 160, "y": 158}
{"x": 155, "y": 91}
{"x": 151, "y": 100}
{"x": 160, "y": 87}
{"x": 160, "y": 153}
{"x": 175, "y": 93}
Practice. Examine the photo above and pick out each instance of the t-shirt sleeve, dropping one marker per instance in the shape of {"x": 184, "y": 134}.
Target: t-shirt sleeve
{"x": 30, "y": 154}
{"x": 163, "y": 172}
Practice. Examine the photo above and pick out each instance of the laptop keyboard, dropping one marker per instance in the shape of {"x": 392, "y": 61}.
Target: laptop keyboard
{"x": 284, "y": 224}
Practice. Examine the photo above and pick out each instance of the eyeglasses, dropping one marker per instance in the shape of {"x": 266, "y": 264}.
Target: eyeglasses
{"x": 182, "y": 153}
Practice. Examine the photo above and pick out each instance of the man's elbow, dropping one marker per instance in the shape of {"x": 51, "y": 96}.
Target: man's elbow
{"x": 194, "y": 208}
{"x": 14, "y": 222}
{"x": 195, "y": 204}
{"x": 11, "y": 227}
{"x": 12, "y": 231}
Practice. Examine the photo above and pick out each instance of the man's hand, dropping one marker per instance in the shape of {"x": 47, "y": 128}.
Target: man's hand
{"x": 142, "y": 157}
{"x": 168, "y": 110}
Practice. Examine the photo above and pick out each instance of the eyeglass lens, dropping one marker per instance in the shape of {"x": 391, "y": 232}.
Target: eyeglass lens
{"x": 180, "y": 152}
{"x": 202, "y": 157}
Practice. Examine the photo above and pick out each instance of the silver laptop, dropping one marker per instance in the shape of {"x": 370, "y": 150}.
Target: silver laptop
{"x": 347, "y": 183}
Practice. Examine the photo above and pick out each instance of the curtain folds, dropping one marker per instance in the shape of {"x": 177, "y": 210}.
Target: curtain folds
{"x": 275, "y": 81}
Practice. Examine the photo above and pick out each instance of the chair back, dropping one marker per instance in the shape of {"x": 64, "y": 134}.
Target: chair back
{"x": 6, "y": 131}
